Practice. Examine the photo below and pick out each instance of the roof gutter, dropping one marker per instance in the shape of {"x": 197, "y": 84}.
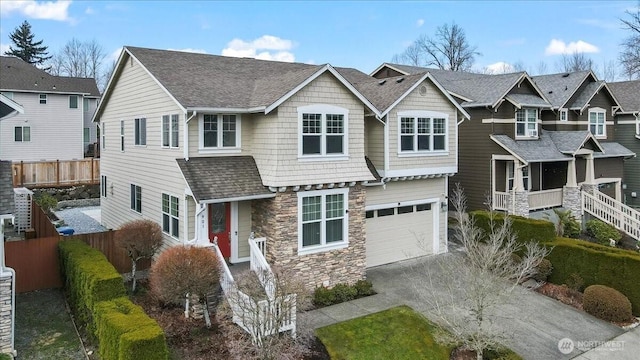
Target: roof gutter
{"x": 251, "y": 110}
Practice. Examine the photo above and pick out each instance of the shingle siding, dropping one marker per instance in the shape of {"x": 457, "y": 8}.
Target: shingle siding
{"x": 626, "y": 135}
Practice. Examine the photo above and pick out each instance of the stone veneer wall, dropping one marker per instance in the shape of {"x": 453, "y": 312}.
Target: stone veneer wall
{"x": 5, "y": 313}
{"x": 277, "y": 220}
{"x": 521, "y": 203}
{"x": 6, "y": 188}
{"x": 572, "y": 200}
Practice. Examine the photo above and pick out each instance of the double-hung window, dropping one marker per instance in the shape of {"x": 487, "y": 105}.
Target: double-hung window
{"x": 140, "y": 131}
{"x": 597, "y": 122}
{"x": 219, "y": 131}
{"x": 170, "y": 130}
{"x": 170, "y": 217}
{"x": 527, "y": 122}
{"x": 322, "y": 220}
{"x": 136, "y": 198}
{"x": 511, "y": 176}
{"x": 22, "y": 133}
{"x": 322, "y": 131}
{"x": 73, "y": 101}
{"x": 43, "y": 99}
{"x": 422, "y": 131}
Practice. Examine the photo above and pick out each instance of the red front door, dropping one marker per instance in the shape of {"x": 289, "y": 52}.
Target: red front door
{"x": 220, "y": 226}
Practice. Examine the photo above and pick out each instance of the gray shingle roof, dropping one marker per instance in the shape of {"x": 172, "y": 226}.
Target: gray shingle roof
{"x": 223, "y": 177}
{"x": 589, "y": 91}
{"x": 560, "y": 146}
{"x": 627, "y": 93}
{"x": 16, "y": 74}
{"x": 528, "y": 100}
{"x": 483, "y": 89}
{"x": 211, "y": 81}
{"x": 559, "y": 88}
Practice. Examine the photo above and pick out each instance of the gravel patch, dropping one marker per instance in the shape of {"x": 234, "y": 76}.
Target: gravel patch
{"x": 82, "y": 219}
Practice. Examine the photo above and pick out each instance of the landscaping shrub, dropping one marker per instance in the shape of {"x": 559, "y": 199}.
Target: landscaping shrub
{"x": 46, "y": 202}
{"x": 543, "y": 270}
{"x": 606, "y": 303}
{"x": 323, "y": 296}
{"x": 602, "y": 231}
{"x": 574, "y": 282}
{"x": 597, "y": 264}
{"x": 364, "y": 288}
{"x": 344, "y": 292}
{"x": 526, "y": 229}
{"x": 568, "y": 225}
{"x": 141, "y": 239}
{"x": 127, "y": 333}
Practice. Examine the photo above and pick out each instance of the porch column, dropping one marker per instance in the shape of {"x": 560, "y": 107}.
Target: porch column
{"x": 571, "y": 199}
{"x": 201, "y": 231}
{"x": 589, "y": 177}
{"x": 618, "y": 185}
{"x": 571, "y": 173}
{"x": 520, "y": 195}
{"x": 518, "y": 179}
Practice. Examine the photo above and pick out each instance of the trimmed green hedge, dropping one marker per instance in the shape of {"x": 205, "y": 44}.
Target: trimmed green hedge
{"x": 127, "y": 333}
{"x": 527, "y": 229}
{"x": 597, "y": 265}
{"x": 97, "y": 295}
{"x": 89, "y": 277}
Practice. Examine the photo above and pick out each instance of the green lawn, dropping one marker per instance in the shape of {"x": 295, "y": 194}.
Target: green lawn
{"x": 398, "y": 333}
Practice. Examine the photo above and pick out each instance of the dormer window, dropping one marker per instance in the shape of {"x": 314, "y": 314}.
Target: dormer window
{"x": 597, "y": 122}
{"x": 527, "y": 123}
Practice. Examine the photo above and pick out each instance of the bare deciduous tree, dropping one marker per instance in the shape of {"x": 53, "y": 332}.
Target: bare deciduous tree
{"x": 289, "y": 294}
{"x": 185, "y": 270}
{"x": 630, "y": 56}
{"x": 576, "y": 61}
{"x": 448, "y": 50}
{"x": 141, "y": 239}
{"x": 80, "y": 59}
{"x": 477, "y": 280}
{"x": 541, "y": 68}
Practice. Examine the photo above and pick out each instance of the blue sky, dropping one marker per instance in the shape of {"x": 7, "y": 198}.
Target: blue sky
{"x": 359, "y": 34}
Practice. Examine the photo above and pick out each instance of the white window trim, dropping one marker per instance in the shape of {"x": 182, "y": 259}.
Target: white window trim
{"x": 131, "y": 198}
{"x": 423, "y": 114}
{"x": 77, "y": 102}
{"x": 22, "y": 140}
{"x": 122, "y": 132}
{"x": 162, "y": 213}
{"x": 598, "y": 110}
{"x": 324, "y": 109}
{"x": 511, "y": 165}
{"x": 103, "y": 136}
{"x": 136, "y": 130}
{"x": 170, "y": 132}
{"x": 526, "y": 128}
{"x": 219, "y": 149}
{"x": 637, "y": 125}
{"x": 40, "y": 98}
{"x": 564, "y": 111}
{"x": 323, "y": 247}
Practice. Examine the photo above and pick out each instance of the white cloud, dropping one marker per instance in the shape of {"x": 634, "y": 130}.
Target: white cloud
{"x": 48, "y": 10}
{"x": 420, "y": 22}
{"x": 559, "y": 47}
{"x": 115, "y": 54}
{"x": 4, "y": 48}
{"x": 266, "y": 47}
{"x": 89, "y": 11}
{"x": 190, "y": 50}
{"x": 500, "y": 67}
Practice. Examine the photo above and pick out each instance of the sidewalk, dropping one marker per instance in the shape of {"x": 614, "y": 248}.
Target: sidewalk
{"x": 623, "y": 347}
{"x": 533, "y": 323}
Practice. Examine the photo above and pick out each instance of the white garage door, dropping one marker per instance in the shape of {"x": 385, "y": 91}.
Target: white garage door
{"x": 399, "y": 233}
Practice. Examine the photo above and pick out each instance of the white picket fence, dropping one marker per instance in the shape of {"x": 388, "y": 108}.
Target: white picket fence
{"x": 613, "y": 212}
{"x": 263, "y": 317}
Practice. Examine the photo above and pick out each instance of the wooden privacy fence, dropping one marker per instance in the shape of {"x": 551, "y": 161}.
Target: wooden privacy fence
{"x": 56, "y": 173}
{"x": 105, "y": 242}
{"x": 40, "y": 222}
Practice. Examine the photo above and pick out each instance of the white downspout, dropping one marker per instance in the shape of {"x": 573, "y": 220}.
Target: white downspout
{"x": 386, "y": 150}
{"x": 185, "y": 133}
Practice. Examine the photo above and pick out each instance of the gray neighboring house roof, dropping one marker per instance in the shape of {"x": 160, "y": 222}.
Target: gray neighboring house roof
{"x": 560, "y": 87}
{"x": 17, "y": 75}
{"x": 223, "y": 178}
{"x": 559, "y": 146}
{"x": 528, "y": 100}
{"x": 585, "y": 96}
{"x": 628, "y": 95}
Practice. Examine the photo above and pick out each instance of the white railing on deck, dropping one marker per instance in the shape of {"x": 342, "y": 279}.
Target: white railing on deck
{"x": 613, "y": 212}
{"x": 545, "y": 199}
{"x": 256, "y": 317}
{"x": 501, "y": 201}
{"x": 260, "y": 266}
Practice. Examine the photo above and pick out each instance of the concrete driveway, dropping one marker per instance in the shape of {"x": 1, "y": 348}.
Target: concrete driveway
{"x": 532, "y": 324}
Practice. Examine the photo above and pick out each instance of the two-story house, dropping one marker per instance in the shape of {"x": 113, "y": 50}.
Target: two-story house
{"x": 55, "y": 123}
{"x": 627, "y": 133}
{"x": 338, "y": 170}
{"x": 531, "y": 143}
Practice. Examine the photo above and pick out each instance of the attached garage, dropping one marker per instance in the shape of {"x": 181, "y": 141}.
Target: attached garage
{"x": 401, "y": 231}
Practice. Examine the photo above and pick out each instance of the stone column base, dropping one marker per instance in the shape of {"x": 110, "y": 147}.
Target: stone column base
{"x": 521, "y": 204}
{"x": 572, "y": 200}
{"x": 590, "y": 188}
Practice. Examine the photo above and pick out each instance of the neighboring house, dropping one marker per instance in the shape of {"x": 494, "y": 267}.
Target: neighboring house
{"x": 56, "y": 121}
{"x": 531, "y": 141}
{"x": 627, "y": 132}
{"x": 338, "y": 170}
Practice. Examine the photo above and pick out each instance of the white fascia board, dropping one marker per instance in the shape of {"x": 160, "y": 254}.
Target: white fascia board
{"x": 107, "y": 90}
{"x": 12, "y": 104}
{"x": 419, "y": 172}
{"x": 252, "y": 110}
{"x": 239, "y": 198}
{"x": 45, "y": 91}
{"x": 390, "y": 67}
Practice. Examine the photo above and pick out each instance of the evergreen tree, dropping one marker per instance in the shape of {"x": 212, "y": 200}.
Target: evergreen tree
{"x": 26, "y": 48}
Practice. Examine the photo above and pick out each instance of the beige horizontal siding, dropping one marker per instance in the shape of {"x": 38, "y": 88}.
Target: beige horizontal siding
{"x": 244, "y": 228}
{"x": 374, "y": 131}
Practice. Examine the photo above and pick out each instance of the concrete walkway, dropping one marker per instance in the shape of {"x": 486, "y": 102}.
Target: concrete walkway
{"x": 532, "y": 324}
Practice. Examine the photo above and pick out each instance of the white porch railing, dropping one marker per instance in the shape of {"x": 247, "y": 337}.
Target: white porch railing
{"x": 259, "y": 318}
{"x": 501, "y": 201}
{"x": 613, "y": 212}
{"x": 545, "y": 199}
{"x": 260, "y": 266}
